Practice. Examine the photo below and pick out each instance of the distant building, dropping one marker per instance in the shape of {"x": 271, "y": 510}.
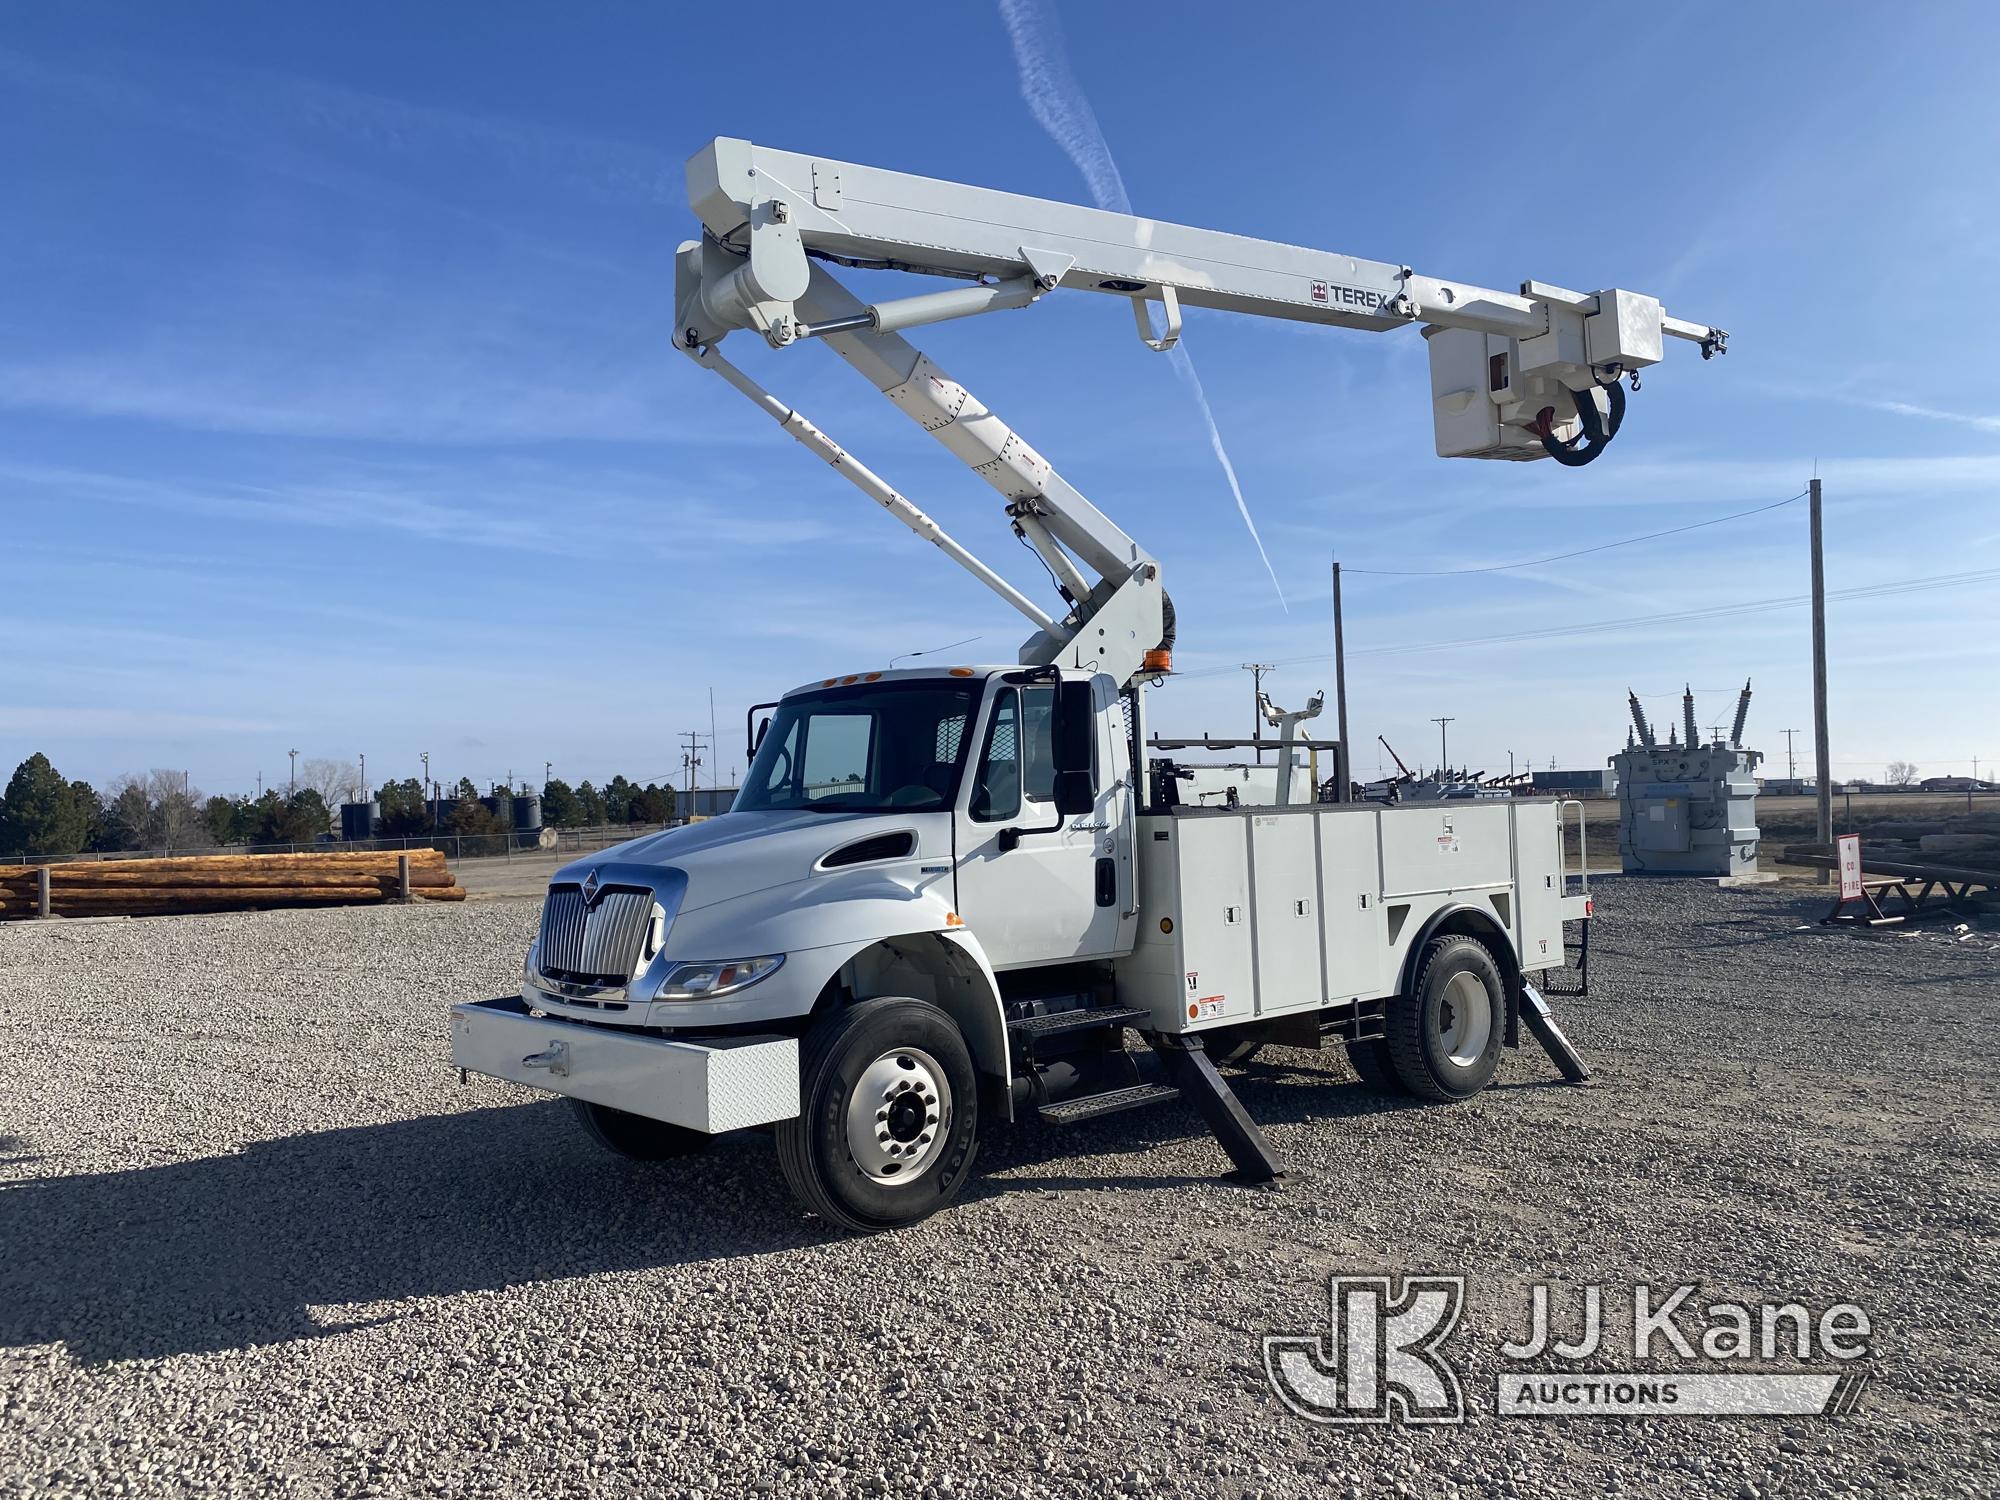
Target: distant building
{"x": 1604, "y": 781}
{"x": 703, "y": 801}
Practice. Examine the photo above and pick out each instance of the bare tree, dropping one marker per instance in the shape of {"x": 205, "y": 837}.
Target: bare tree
{"x": 336, "y": 781}
{"x": 1902, "y": 773}
{"x": 174, "y": 819}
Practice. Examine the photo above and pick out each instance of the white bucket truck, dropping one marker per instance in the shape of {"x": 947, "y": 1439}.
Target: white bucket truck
{"x": 945, "y": 896}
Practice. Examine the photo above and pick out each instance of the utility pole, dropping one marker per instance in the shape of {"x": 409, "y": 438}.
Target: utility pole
{"x": 1822, "y": 752}
{"x": 1257, "y": 669}
{"x": 1510, "y": 765}
{"x": 1345, "y": 789}
{"x": 364, "y": 778}
{"x": 691, "y": 762}
{"x": 1444, "y": 759}
{"x": 548, "y": 771}
{"x": 295, "y": 771}
{"x": 424, "y": 792}
{"x": 1791, "y": 760}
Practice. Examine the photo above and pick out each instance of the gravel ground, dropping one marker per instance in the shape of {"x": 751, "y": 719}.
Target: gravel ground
{"x": 254, "y": 1238}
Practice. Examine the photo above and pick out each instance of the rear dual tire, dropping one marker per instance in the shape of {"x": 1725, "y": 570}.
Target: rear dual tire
{"x": 1443, "y": 1038}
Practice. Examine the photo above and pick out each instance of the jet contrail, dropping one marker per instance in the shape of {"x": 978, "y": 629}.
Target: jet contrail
{"x": 1061, "y": 108}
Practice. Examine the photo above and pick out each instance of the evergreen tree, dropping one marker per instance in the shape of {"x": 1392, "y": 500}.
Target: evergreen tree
{"x": 590, "y": 806}
{"x": 561, "y": 808}
{"x": 405, "y": 813}
{"x": 40, "y": 813}
{"x": 618, "y": 800}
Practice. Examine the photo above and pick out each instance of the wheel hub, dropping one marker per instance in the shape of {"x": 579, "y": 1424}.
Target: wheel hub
{"x": 1464, "y": 1020}
{"x": 897, "y": 1113}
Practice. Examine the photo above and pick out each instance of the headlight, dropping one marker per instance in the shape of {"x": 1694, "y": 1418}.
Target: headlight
{"x": 706, "y": 980}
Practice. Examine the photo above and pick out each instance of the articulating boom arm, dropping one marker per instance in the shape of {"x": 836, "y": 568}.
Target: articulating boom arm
{"x": 1517, "y": 376}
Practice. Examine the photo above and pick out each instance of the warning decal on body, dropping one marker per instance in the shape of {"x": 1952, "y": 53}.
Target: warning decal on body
{"x": 1207, "y": 1008}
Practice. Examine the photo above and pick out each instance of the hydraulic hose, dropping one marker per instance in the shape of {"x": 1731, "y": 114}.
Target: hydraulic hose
{"x": 1598, "y": 431}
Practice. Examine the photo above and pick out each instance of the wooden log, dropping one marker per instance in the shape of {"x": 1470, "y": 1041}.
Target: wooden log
{"x": 439, "y": 892}
{"x": 194, "y": 896}
{"x": 375, "y": 862}
{"x": 139, "y": 875}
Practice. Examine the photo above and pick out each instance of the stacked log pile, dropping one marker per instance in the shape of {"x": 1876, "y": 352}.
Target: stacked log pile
{"x": 222, "y": 882}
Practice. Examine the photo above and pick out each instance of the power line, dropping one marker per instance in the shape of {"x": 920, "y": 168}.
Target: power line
{"x": 1714, "y": 612}
{"x": 1651, "y": 536}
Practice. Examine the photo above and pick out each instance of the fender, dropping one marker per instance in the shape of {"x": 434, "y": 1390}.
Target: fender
{"x": 1473, "y": 923}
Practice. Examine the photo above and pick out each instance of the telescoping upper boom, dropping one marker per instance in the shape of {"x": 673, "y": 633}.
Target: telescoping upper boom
{"x": 1515, "y": 375}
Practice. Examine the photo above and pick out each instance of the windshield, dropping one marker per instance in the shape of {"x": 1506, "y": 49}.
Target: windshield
{"x": 880, "y": 747}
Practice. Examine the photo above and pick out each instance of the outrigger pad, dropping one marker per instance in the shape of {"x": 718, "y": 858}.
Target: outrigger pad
{"x": 1542, "y": 1025}
{"x": 1193, "y": 1072}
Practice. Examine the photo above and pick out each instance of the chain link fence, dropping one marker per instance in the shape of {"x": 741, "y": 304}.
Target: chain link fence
{"x": 453, "y": 846}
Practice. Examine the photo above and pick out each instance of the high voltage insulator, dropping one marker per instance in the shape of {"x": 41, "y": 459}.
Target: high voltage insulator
{"x": 1691, "y": 735}
{"x": 1639, "y": 720}
{"x": 1742, "y": 713}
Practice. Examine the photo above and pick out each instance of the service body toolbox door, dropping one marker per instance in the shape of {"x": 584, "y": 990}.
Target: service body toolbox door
{"x": 1354, "y": 933}
{"x": 1284, "y": 901}
{"x": 1538, "y": 856}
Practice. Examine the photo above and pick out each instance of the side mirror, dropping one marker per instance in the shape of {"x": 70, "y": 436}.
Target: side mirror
{"x": 1074, "y": 732}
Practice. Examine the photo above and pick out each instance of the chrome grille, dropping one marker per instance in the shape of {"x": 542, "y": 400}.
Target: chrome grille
{"x": 598, "y": 942}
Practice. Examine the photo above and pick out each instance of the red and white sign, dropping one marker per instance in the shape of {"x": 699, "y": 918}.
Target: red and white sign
{"x": 1849, "y": 847}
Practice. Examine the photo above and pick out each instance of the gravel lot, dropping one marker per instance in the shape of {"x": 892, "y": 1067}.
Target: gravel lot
{"x": 254, "y": 1238}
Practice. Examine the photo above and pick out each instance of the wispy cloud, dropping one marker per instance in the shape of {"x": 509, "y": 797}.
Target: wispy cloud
{"x": 1928, "y": 413}
{"x": 1061, "y": 108}
{"x": 21, "y": 721}
{"x": 549, "y": 511}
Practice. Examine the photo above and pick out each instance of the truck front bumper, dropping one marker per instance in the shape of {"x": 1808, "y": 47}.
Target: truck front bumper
{"x": 718, "y": 1084}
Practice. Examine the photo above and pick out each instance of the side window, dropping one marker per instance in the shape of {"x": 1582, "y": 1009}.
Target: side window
{"x": 1038, "y": 745}
{"x": 837, "y": 748}
{"x": 779, "y": 754}
{"x": 996, "y": 784}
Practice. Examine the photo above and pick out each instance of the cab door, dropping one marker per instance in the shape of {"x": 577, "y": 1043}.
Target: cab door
{"x": 1034, "y": 887}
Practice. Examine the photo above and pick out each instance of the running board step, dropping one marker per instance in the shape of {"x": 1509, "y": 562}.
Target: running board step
{"x": 1084, "y": 1018}
{"x": 1090, "y": 1106}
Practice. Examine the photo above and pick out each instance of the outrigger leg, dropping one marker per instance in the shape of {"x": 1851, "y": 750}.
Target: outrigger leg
{"x": 1541, "y": 1023}
{"x": 1190, "y": 1070}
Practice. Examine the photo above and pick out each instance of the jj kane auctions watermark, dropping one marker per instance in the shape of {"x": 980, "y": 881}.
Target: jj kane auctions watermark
{"x": 1383, "y": 1359}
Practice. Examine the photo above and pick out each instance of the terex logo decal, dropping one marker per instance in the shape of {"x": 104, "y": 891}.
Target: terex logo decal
{"x": 1329, "y": 294}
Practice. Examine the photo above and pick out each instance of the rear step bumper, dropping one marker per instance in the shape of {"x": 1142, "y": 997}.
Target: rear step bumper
{"x": 723, "y": 1083}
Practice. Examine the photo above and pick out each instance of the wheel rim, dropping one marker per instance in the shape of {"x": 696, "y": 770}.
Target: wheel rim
{"x": 1464, "y": 1020}
{"x": 897, "y": 1116}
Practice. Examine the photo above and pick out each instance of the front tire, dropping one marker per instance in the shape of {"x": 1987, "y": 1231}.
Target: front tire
{"x": 1444, "y": 1036}
{"x": 889, "y": 1116}
{"x": 635, "y": 1137}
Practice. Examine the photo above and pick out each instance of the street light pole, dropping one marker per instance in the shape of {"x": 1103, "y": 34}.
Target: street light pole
{"x": 295, "y": 772}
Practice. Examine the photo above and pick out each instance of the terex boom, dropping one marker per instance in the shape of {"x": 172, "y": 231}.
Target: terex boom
{"x": 944, "y": 896}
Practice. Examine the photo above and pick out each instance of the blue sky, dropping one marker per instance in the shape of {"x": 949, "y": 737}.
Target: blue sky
{"x": 337, "y": 411}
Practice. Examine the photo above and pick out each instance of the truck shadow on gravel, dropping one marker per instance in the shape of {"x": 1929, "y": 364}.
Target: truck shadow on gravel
{"x": 237, "y": 1250}
{"x": 228, "y": 1252}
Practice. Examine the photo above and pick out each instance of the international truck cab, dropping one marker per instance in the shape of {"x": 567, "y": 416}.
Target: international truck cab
{"x": 950, "y": 897}
{"x": 939, "y": 899}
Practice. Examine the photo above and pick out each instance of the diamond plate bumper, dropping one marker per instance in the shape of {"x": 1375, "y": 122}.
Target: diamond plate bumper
{"x": 723, "y": 1083}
